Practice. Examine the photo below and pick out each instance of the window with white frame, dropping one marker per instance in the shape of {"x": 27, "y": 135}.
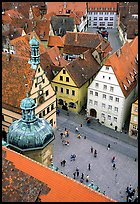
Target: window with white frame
{"x": 102, "y": 115}
{"x": 110, "y": 24}
{"x": 103, "y": 105}
{"x": 115, "y": 119}
{"x": 90, "y": 101}
{"x": 96, "y": 103}
{"x": 100, "y": 18}
{"x": 106, "y": 18}
{"x": 91, "y": 92}
{"x": 109, "y": 107}
{"x": 89, "y": 18}
{"x": 94, "y": 23}
{"x": 111, "y": 88}
{"x": 95, "y": 19}
{"x": 117, "y": 99}
{"x": 104, "y": 96}
{"x": 109, "y": 117}
{"x": 96, "y": 93}
{"x": 111, "y": 19}
{"x": 96, "y": 85}
{"x": 116, "y": 109}
{"x": 135, "y": 127}
{"x": 105, "y": 87}
{"x": 111, "y": 98}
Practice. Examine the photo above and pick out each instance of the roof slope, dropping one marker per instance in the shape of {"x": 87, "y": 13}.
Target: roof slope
{"x": 101, "y": 6}
{"x": 56, "y": 57}
{"x": 123, "y": 62}
{"x": 62, "y": 188}
{"x": 18, "y": 186}
{"x": 15, "y": 74}
{"x": 55, "y": 41}
{"x": 81, "y": 70}
{"x": 22, "y": 46}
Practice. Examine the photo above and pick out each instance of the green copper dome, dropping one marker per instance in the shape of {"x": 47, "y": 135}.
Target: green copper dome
{"x": 34, "y": 42}
{"x": 29, "y": 132}
{"x": 27, "y": 104}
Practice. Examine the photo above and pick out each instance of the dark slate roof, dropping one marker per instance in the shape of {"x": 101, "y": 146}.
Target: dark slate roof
{"x": 18, "y": 186}
{"x": 62, "y": 24}
{"x": 81, "y": 70}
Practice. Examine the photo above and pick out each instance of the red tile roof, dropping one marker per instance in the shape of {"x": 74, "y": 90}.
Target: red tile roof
{"x": 83, "y": 69}
{"x": 73, "y": 6}
{"x": 22, "y": 47}
{"x": 55, "y": 41}
{"x": 62, "y": 188}
{"x": 125, "y": 67}
{"x": 18, "y": 186}
{"x": 15, "y": 74}
{"x": 96, "y": 6}
{"x": 56, "y": 57}
{"x": 76, "y": 43}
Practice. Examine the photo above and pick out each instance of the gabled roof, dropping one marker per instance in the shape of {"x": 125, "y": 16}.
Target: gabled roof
{"x": 76, "y": 42}
{"x": 56, "y": 57}
{"x": 83, "y": 68}
{"x": 41, "y": 27}
{"x": 124, "y": 65}
{"x": 49, "y": 185}
{"x": 22, "y": 47}
{"x": 101, "y": 6}
{"x": 55, "y": 41}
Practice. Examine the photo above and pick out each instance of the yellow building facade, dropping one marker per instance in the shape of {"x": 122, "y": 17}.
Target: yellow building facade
{"x": 69, "y": 96}
{"x": 133, "y": 127}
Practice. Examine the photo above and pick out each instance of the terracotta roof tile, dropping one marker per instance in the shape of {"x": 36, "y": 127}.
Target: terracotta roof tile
{"x": 76, "y": 43}
{"x": 81, "y": 70}
{"x": 22, "y": 47}
{"x": 62, "y": 188}
{"x": 15, "y": 74}
{"x": 55, "y": 41}
{"x": 18, "y": 186}
{"x": 56, "y": 57}
{"x": 124, "y": 66}
{"x": 59, "y": 6}
{"x": 95, "y": 6}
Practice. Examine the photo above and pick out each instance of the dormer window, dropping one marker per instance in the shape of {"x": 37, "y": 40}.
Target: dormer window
{"x": 125, "y": 86}
{"x": 134, "y": 71}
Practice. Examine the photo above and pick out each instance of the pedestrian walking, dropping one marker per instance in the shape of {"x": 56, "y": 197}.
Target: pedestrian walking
{"x": 61, "y": 134}
{"x": 77, "y": 171}
{"x": 92, "y": 183}
{"x": 113, "y": 159}
{"x": 95, "y": 153}
{"x": 81, "y": 180}
{"x": 108, "y": 146}
{"x": 87, "y": 178}
{"x": 74, "y": 174}
{"x": 76, "y": 129}
{"x": 91, "y": 149}
{"x": 114, "y": 166}
{"x": 82, "y": 176}
{"x": 89, "y": 166}
{"x": 81, "y": 125}
{"x": 64, "y": 162}
{"x": 79, "y": 136}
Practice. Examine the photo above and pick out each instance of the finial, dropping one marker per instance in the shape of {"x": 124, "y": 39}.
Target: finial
{"x": 26, "y": 90}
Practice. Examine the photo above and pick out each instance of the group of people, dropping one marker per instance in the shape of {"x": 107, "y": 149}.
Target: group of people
{"x": 130, "y": 194}
{"x": 95, "y": 151}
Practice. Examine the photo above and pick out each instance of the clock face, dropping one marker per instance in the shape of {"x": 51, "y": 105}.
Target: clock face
{"x": 41, "y": 99}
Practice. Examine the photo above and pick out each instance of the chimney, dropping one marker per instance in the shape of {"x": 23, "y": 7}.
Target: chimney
{"x": 8, "y": 56}
{"x": 118, "y": 52}
{"x": 65, "y": 5}
{"x": 82, "y": 56}
{"x": 76, "y": 35}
